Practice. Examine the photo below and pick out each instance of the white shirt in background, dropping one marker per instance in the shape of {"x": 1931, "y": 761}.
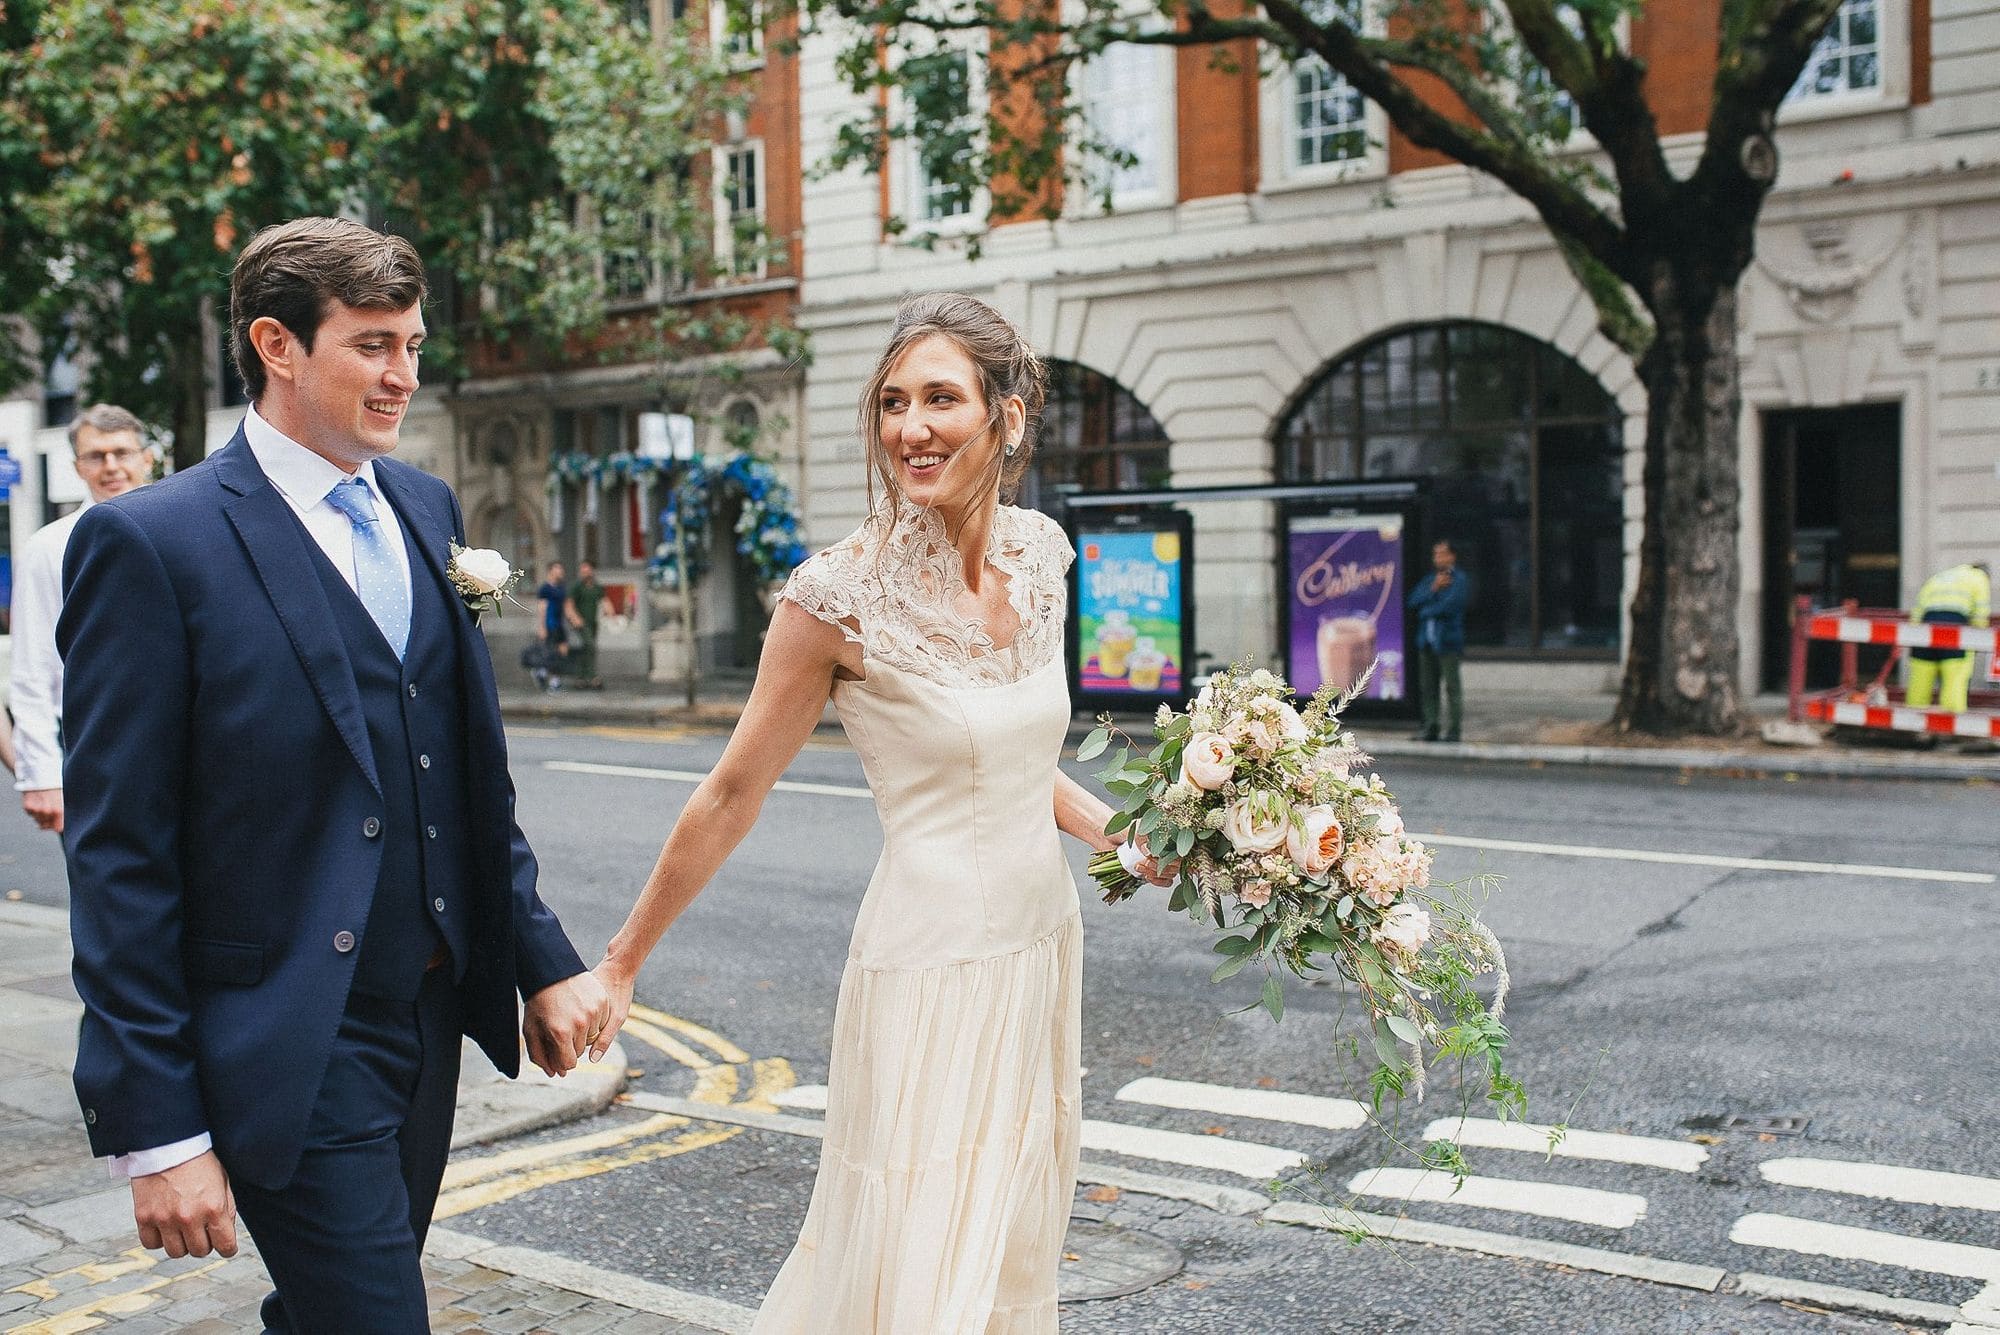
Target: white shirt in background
{"x": 35, "y": 684}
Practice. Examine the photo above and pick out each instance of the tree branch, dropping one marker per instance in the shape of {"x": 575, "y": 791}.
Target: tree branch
{"x": 1766, "y": 43}
{"x": 1506, "y": 156}
{"x": 1609, "y": 89}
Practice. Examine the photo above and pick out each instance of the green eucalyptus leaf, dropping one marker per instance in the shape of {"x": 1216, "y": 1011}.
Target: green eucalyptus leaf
{"x": 1230, "y": 967}
{"x": 1274, "y": 998}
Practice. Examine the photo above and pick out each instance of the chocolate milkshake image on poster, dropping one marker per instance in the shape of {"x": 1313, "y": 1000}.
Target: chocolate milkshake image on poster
{"x": 1345, "y": 575}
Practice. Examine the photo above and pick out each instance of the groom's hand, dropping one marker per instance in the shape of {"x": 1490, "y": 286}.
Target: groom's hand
{"x": 188, "y": 1210}
{"x": 562, "y": 1020}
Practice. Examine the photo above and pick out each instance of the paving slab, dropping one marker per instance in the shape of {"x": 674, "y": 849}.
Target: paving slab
{"x": 104, "y": 1217}
{"x": 18, "y": 1244}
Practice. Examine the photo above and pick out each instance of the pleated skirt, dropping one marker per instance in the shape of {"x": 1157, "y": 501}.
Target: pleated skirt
{"x": 950, "y": 1157}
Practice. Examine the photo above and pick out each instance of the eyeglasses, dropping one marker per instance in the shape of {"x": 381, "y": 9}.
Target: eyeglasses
{"x": 96, "y": 459}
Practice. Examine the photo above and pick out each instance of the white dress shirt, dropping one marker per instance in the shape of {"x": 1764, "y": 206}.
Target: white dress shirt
{"x": 303, "y": 479}
{"x": 37, "y": 676}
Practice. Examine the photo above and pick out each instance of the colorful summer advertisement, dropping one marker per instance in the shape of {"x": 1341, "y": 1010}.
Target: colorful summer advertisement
{"x": 1129, "y": 632}
{"x": 1345, "y": 580}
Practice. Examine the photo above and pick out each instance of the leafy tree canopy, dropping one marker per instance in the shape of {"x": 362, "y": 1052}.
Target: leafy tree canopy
{"x": 545, "y": 155}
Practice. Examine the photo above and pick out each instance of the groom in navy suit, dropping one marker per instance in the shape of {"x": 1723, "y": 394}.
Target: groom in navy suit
{"x": 295, "y": 873}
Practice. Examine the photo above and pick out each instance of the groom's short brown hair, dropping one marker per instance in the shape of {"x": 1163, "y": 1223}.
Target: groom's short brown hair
{"x": 292, "y": 270}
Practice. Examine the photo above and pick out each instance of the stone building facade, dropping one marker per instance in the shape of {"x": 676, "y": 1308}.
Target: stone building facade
{"x": 1287, "y": 291}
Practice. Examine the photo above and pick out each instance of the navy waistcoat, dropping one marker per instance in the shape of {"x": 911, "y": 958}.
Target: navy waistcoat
{"x": 415, "y": 711}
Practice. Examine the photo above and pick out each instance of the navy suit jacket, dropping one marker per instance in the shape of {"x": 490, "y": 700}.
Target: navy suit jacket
{"x": 221, "y": 800}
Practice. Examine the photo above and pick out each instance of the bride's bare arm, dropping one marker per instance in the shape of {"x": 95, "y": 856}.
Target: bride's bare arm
{"x": 801, "y": 654}
{"x": 1082, "y": 814}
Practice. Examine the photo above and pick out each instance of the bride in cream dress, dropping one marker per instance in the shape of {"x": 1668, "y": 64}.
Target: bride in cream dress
{"x": 949, "y": 1162}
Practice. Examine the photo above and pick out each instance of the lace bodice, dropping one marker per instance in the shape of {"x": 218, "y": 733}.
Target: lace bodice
{"x": 893, "y": 588}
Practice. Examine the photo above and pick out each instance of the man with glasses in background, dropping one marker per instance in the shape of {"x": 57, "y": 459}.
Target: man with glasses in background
{"x": 112, "y": 458}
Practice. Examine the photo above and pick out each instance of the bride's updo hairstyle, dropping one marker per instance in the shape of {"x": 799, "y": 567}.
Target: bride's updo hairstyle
{"x": 1007, "y": 367}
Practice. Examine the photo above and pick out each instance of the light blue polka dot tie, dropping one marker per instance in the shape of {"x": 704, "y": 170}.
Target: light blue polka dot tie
{"x": 378, "y": 579}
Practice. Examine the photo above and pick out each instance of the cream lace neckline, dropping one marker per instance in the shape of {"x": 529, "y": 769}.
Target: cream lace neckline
{"x": 894, "y": 588}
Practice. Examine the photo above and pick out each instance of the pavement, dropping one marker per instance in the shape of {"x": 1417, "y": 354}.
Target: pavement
{"x": 69, "y": 1261}
{"x": 1515, "y": 728}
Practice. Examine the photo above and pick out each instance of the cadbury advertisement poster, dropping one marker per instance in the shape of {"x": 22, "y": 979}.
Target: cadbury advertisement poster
{"x": 1129, "y": 632}
{"x": 1344, "y": 575}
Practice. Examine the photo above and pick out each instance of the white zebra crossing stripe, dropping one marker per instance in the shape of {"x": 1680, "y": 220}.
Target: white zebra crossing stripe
{"x": 1582, "y": 1205}
{"x": 1914, "y": 1186}
{"x": 1268, "y": 1105}
{"x": 1606, "y": 1146}
{"x": 1844, "y": 1242}
{"x": 1243, "y": 1157}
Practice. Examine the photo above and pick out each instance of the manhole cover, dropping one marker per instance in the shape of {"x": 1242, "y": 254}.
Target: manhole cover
{"x": 1106, "y": 1261}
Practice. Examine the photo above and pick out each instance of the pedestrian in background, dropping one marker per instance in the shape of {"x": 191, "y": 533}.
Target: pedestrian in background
{"x": 554, "y": 593}
{"x": 586, "y": 601}
{"x": 112, "y": 458}
{"x": 1439, "y": 603}
{"x": 1960, "y": 596}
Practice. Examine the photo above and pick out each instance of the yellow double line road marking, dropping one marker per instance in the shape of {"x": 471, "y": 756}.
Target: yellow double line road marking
{"x": 473, "y": 1184}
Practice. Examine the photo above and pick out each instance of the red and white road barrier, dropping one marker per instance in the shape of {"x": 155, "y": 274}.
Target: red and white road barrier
{"x": 1912, "y": 635}
{"x": 1901, "y": 718}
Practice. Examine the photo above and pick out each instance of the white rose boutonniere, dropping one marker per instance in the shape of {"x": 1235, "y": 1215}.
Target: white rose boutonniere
{"x": 482, "y": 577}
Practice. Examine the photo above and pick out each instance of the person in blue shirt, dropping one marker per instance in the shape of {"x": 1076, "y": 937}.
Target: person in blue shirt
{"x": 554, "y": 593}
{"x": 1439, "y": 603}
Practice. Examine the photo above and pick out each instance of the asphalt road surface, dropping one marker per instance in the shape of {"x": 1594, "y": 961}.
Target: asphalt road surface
{"x": 1767, "y": 1012}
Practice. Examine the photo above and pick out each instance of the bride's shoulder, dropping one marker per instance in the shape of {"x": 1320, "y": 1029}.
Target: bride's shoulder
{"x": 1036, "y": 533}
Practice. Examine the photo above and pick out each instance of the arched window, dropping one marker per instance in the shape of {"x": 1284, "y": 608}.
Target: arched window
{"x": 1095, "y": 436}
{"x": 1524, "y": 454}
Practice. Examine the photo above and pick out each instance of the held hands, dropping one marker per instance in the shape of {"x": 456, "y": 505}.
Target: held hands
{"x": 618, "y": 986}
{"x": 563, "y": 1020}
{"x": 45, "y": 805}
{"x": 188, "y": 1210}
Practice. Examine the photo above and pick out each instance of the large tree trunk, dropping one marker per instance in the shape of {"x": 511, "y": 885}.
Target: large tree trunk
{"x": 1681, "y": 667}
{"x": 190, "y": 374}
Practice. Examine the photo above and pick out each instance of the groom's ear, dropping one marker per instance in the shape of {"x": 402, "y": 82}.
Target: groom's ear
{"x": 275, "y": 346}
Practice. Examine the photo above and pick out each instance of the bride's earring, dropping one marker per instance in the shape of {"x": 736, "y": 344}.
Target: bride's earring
{"x": 1013, "y": 448}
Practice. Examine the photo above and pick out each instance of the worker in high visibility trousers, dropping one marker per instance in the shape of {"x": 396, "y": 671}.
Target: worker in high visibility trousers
{"x": 1960, "y": 596}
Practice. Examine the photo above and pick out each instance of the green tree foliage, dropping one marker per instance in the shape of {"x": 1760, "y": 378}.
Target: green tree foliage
{"x": 545, "y": 157}
{"x": 1658, "y": 249}
{"x": 165, "y": 134}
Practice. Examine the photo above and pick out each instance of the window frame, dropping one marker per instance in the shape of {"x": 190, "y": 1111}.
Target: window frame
{"x": 1892, "y": 59}
{"x": 722, "y": 179}
{"x": 1081, "y": 196}
{"x": 1349, "y": 443}
{"x": 1579, "y": 139}
{"x": 909, "y": 189}
{"x": 740, "y": 50}
{"x": 1278, "y": 168}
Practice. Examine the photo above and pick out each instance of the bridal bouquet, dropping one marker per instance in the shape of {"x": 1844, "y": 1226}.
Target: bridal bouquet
{"x": 1299, "y": 857}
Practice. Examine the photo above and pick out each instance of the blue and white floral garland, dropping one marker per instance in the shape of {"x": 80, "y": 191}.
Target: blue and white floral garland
{"x": 767, "y": 529}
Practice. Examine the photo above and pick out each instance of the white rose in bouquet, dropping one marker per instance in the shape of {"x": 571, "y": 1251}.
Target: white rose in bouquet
{"x": 1255, "y": 827}
{"x": 1405, "y": 928}
{"x": 1207, "y": 761}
